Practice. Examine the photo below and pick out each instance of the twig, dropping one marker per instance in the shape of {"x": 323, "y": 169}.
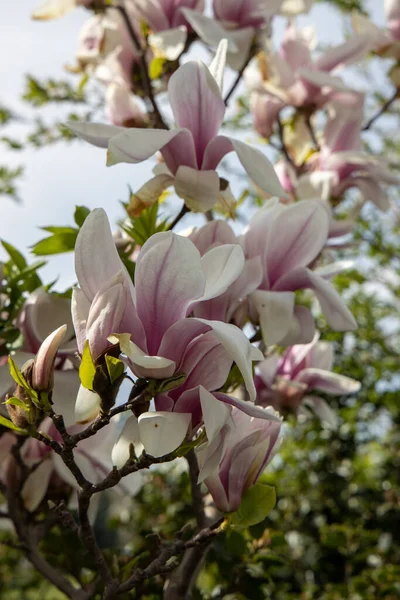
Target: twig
{"x": 184, "y": 210}
{"x": 312, "y": 132}
{"x": 197, "y": 497}
{"x": 147, "y": 84}
{"x": 238, "y": 77}
{"x": 381, "y": 111}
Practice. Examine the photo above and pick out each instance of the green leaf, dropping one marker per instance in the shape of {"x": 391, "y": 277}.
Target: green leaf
{"x": 156, "y": 67}
{"x": 57, "y": 243}
{"x": 87, "y": 369}
{"x": 115, "y": 368}
{"x": 146, "y": 225}
{"x": 7, "y": 423}
{"x": 17, "y": 402}
{"x": 81, "y": 212}
{"x": 257, "y": 503}
{"x": 15, "y": 255}
{"x": 18, "y": 377}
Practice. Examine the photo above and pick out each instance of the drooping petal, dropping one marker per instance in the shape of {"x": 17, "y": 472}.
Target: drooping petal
{"x": 168, "y": 44}
{"x": 209, "y": 30}
{"x": 275, "y": 312}
{"x": 215, "y": 414}
{"x": 97, "y": 134}
{"x": 163, "y": 432}
{"x": 250, "y": 409}
{"x": 255, "y": 163}
{"x": 302, "y": 328}
{"x": 322, "y": 410}
{"x": 199, "y": 189}
{"x": 168, "y": 278}
{"x": 239, "y": 349}
{"x": 197, "y": 103}
{"x": 321, "y": 79}
{"x": 328, "y": 382}
{"x": 337, "y": 314}
{"x": 143, "y": 365}
{"x": 129, "y": 436}
{"x": 344, "y": 54}
{"x": 136, "y": 145}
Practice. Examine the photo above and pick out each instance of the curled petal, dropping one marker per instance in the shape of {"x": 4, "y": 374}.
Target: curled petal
{"x": 97, "y": 134}
{"x": 87, "y": 405}
{"x": 163, "y": 432}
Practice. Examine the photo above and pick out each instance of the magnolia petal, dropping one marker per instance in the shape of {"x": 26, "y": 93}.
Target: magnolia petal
{"x": 322, "y": 410}
{"x": 152, "y": 367}
{"x": 292, "y": 8}
{"x": 136, "y": 145}
{"x": 215, "y": 414}
{"x": 197, "y": 103}
{"x": 65, "y": 391}
{"x": 221, "y": 267}
{"x": 267, "y": 369}
{"x": 322, "y": 79}
{"x": 238, "y": 348}
{"x": 275, "y": 311}
{"x": 259, "y": 168}
{"x": 209, "y": 457}
{"x": 35, "y": 487}
{"x": 297, "y": 237}
{"x": 53, "y": 9}
{"x": 302, "y": 328}
{"x": 129, "y": 436}
{"x": 96, "y": 257}
{"x": 163, "y": 432}
{"x": 80, "y": 307}
{"x": 149, "y": 193}
{"x": 217, "y": 66}
{"x": 328, "y": 382}
{"x": 168, "y": 278}
{"x": 344, "y": 54}
{"x": 250, "y": 409}
{"x": 87, "y": 405}
{"x": 209, "y": 30}
{"x": 168, "y": 44}
{"x": 199, "y": 189}
{"x": 215, "y": 232}
{"x": 337, "y": 314}
{"x": 97, "y": 134}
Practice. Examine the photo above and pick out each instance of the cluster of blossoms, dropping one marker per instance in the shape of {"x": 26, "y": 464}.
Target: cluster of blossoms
{"x": 178, "y": 328}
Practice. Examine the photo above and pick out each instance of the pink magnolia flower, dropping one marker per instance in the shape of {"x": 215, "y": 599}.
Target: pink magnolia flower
{"x": 294, "y": 78}
{"x": 289, "y": 239}
{"x": 192, "y": 151}
{"x": 167, "y": 23}
{"x": 238, "y": 21}
{"x": 342, "y": 157}
{"x": 149, "y": 320}
{"x": 237, "y": 456}
{"x": 384, "y": 41}
{"x": 288, "y": 382}
{"x": 231, "y": 306}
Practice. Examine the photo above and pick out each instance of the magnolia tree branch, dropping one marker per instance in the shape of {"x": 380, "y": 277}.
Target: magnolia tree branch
{"x": 381, "y": 111}
{"x": 144, "y": 68}
{"x": 239, "y": 76}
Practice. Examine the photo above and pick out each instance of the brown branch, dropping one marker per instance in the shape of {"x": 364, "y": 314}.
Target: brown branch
{"x": 184, "y": 210}
{"x": 239, "y": 77}
{"x": 197, "y": 497}
{"x": 381, "y": 111}
{"x": 284, "y": 149}
{"x": 144, "y": 69}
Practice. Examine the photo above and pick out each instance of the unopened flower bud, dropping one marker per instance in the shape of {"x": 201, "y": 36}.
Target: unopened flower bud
{"x": 43, "y": 368}
{"x": 23, "y": 417}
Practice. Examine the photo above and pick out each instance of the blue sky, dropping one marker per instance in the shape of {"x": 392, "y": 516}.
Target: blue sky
{"x": 59, "y": 177}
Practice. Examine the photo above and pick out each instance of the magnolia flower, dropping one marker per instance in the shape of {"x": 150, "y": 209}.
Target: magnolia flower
{"x": 230, "y": 306}
{"x": 53, "y": 9}
{"x": 289, "y": 239}
{"x": 385, "y": 42}
{"x": 293, "y": 78}
{"x": 238, "y": 21}
{"x": 341, "y": 155}
{"x": 43, "y": 366}
{"x": 149, "y": 320}
{"x": 241, "y": 447}
{"x": 167, "y": 24}
{"x": 193, "y": 151}
{"x": 287, "y": 382}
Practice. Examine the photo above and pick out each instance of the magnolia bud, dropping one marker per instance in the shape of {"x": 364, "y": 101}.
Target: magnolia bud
{"x": 20, "y": 416}
{"x": 43, "y": 368}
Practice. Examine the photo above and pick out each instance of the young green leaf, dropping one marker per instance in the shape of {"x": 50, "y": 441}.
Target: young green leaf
{"x": 87, "y": 369}
{"x": 10, "y": 425}
{"x": 257, "y": 503}
{"x": 115, "y": 368}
